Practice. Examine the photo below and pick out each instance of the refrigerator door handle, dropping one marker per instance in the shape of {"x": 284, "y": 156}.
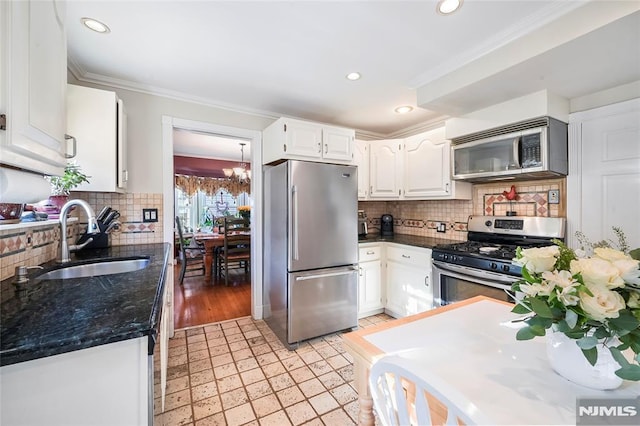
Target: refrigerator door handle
{"x": 330, "y": 274}
{"x": 294, "y": 225}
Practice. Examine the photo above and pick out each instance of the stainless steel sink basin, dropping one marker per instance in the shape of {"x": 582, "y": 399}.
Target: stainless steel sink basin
{"x": 102, "y": 267}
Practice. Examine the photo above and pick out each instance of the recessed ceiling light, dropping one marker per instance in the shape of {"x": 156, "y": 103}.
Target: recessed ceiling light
{"x": 353, "y": 76}
{"x": 404, "y": 109}
{"x": 447, "y": 7}
{"x": 96, "y": 26}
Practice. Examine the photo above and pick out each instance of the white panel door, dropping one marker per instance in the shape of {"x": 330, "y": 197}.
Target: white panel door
{"x": 426, "y": 165}
{"x": 369, "y": 287}
{"x": 361, "y": 160}
{"x": 607, "y": 188}
{"x": 304, "y": 139}
{"x": 337, "y": 143}
{"x": 385, "y": 169}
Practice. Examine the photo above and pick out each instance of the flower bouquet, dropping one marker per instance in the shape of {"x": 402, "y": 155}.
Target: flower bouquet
{"x": 244, "y": 211}
{"x": 593, "y": 298}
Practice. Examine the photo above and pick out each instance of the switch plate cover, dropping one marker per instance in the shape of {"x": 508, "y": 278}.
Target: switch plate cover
{"x": 554, "y": 196}
{"x": 149, "y": 215}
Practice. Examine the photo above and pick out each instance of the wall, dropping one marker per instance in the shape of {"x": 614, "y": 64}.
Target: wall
{"x": 421, "y": 217}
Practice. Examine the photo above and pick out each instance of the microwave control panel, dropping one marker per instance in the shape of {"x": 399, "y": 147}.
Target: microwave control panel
{"x": 531, "y": 150}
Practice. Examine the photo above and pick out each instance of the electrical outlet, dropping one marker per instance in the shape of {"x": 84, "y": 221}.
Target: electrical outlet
{"x": 554, "y": 196}
{"x": 442, "y": 227}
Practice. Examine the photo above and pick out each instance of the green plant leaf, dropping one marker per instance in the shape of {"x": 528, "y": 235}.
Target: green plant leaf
{"x": 529, "y": 332}
{"x": 635, "y": 254}
{"x": 617, "y": 355}
{"x": 591, "y": 355}
{"x": 630, "y": 372}
{"x": 625, "y": 321}
{"x": 538, "y": 321}
{"x": 601, "y": 333}
{"x": 587, "y": 342}
{"x": 571, "y": 318}
{"x": 541, "y": 308}
{"x": 520, "y": 309}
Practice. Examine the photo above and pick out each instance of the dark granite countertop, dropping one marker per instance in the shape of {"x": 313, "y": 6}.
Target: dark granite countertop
{"x": 57, "y": 316}
{"x": 409, "y": 240}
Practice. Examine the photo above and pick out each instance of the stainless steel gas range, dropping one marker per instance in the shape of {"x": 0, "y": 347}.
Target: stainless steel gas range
{"x": 483, "y": 264}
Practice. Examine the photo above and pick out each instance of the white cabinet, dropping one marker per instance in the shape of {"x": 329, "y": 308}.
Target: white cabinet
{"x": 361, "y": 159}
{"x": 408, "y": 279}
{"x": 96, "y": 118}
{"x": 34, "y": 76}
{"x": 427, "y": 168}
{"x": 289, "y": 138}
{"x": 385, "y": 169}
{"x": 370, "y": 300}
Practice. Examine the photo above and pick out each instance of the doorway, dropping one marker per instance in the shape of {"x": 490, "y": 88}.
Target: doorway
{"x": 170, "y": 125}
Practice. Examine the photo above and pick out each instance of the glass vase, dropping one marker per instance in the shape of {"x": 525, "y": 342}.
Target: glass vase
{"x": 566, "y": 359}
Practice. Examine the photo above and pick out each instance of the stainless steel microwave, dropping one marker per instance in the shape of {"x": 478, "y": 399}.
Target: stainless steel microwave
{"x": 526, "y": 150}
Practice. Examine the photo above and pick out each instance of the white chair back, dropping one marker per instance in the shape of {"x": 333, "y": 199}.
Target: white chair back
{"x": 399, "y": 388}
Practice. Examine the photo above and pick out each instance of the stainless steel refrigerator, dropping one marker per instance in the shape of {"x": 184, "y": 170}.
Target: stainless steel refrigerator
{"x": 310, "y": 249}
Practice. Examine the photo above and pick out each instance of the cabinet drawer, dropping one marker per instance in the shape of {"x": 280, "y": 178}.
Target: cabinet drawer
{"x": 367, "y": 254}
{"x": 414, "y": 256}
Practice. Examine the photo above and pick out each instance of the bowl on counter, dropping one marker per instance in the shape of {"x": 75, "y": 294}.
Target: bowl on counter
{"x": 10, "y": 212}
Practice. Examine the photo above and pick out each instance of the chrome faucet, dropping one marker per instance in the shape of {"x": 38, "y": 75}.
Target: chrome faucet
{"x": 92, "y": 228}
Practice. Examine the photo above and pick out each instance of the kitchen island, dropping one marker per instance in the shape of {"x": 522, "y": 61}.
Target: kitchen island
{"x": 80, "y": 351}
{"x": 472, "y": 346}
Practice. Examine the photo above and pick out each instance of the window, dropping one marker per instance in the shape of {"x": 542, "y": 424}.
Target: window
{"x": 201, "y": 210}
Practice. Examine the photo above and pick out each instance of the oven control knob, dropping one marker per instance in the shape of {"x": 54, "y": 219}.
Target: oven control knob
{"x": 488, "y": 223}
{"x": 505, "y": 268}
{"x": 494, "y": 265}
{"x": 445, "y": 257}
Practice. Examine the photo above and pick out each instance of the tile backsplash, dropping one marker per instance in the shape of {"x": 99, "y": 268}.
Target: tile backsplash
{"x": 36, "y": 244}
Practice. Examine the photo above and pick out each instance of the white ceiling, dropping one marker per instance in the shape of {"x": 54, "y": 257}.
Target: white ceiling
{"x": 291, "y": 58}
{"x": 202, "y": 145}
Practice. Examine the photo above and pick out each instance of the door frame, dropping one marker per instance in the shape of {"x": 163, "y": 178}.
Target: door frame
{"x": 255, "y": 137}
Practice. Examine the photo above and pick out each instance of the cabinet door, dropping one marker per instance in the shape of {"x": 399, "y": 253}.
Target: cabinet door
{"x": 303, "y": 139}
{"x": 427, "y": 165}
{"x": 337, "y": 144}
{"x": 369, "y": 287}
{"x": 34, "y": 77}
{"x": 398, "y": 278}
{"x": 361, "y": 159}
{"x": 385, "y": 169}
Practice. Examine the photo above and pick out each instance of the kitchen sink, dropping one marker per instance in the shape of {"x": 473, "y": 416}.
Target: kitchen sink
{"x": 93, "y": 269}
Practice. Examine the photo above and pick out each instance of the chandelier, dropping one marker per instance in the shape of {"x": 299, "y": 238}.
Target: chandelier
{"x": 240, "y": 173}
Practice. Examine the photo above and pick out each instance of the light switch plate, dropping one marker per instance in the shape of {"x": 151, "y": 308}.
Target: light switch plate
{"x": 149, "y": 215}
{"x": 554, "y": 196}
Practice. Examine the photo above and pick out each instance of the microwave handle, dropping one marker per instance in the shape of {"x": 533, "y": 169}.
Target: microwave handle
{"x": 516, "y": 151}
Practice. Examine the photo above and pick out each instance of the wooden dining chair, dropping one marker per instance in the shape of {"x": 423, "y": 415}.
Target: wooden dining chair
{"x": 191, "y": 258}
{"x": 405, "y": 393}
{"x": 236, "y": 250}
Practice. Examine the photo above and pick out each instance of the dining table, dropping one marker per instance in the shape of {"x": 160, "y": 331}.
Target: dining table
{"x": 472, "y": 346}
{"x": 210, "y": 240}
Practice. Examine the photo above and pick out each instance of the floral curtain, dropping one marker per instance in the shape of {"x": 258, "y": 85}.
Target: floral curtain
{"x": 210, "y": 186}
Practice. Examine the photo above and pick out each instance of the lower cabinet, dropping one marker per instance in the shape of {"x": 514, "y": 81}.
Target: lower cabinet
{"x": 370, "y": 300}
{"x": 394, "y": 278}
{"x": 408, "y": 279}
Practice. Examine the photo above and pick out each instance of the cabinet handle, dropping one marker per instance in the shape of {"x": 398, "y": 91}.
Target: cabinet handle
{"x": 284, "y": 147}
{"x": 371, "y": 189}
{"x": 426, "y": 280}
{"x": 360, "y": 269}
{"x": 406, "y": 257}
{"x": 326, "y": 148}
{"x": 370, "y": 252}
{"x": 75, "y": 146}
{"x": 319, "y": 147}
{"x": 446, "y": 187}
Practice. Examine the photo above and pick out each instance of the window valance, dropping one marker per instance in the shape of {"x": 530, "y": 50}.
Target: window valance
{"x": 210, "y": 186}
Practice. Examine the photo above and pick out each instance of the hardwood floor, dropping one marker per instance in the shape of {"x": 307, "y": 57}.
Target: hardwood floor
{"x": 198, "y": 303}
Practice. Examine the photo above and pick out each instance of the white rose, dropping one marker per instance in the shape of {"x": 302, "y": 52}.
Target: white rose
{"x": 609, "y": 254}
{"x": 538, "y": 259}
{"x": 634, "y": 300}
{"x": 569, "y": 296}
{"x": 596, "y": 271}
{"x": 603, "y": 304}
{"x": 629, "y": 270}
{"x": 562, "y": 279}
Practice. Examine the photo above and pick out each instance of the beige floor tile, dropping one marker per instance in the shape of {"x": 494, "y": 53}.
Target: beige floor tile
{"x": 311, "y": 387}
{"x": 246, "y": 364}
{"x": 228, "y": 324}
{"x": 300, "y": 413}
{"x": 194, "y": 331}
{"x": 206, "y": 390}
{"x": 178, "y": 417}
{"x": 344, "y": 394}
{"x": 216, "y": 341}
{"x": 293, "y": 362}
{"x": 290, "y": 396}
{"x": 206, "y": 407}
{"x": 231, "y": 331}
{"x": 234, "y": 398}
{"x": 281, "y": 381}
{"x": 314, "y": 422}
{"x": 221, "y": 359}
{"x": 178, "y": 350}
{"x": 240, "y": 354}
{"x": 331, "y": 380}
{"x": 327, "y": 351}
{"x": 279, "y": 418}
{"x": 198, "y": 346}
{"x": 196, "y": 338}
{"x": 338, "y": 361}
{"x": 172, "y": 361}
{"x": 346, "y": 372}
{"x": 258, "y": 390}
{"x": 225, "y": 370}
{"x": 239, "y": 415}
{"x": 252, "y": 376}
{"x": 203, "y": 364}
{"x": 310, "y": 357}
{"x": 198, "y": 355}
{"x": 176, "y": 341}
{"x": 247, "y": 320}
{"x": 261, "y": 349}
{"x": 337, "y": 417}
{"x": 273, "y": 369}
{"x": 219, "y": 350}
{"x": 177, "y": 399}
{"x": 239, "y": 345}
{"x": 266, "y": 359}
{"x": 237, "y": 337}
{"x": 320, "y": 367}
{"x": 323, "y": 403}
{"x": 215, "y": 420}
{"x": 256, "y": 341}
{"x": 226, "y": 384}
{"x": 249, "y": 334}
{"x": 175, "y": 385}
{"x": 284, "y": 353}
{"x": 266, "y": 405}
{"x": 176, "y": 371}
{"x": 201, "y": 377}
{"x": 352, "y": 409}
{"x": 303, "y": 374}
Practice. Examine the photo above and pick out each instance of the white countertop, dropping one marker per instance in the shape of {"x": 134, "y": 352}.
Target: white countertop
{"x": 474, "y": 348}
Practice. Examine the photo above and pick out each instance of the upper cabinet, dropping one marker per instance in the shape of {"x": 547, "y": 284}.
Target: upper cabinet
{"x": 288, "y": 138}
{"x": 96, "y": 118}
{"x": 415, "y": 168}
{"x": 34, "y": 78}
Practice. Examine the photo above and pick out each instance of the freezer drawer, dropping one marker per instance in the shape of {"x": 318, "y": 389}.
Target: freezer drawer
{"x": 322, "y": 301}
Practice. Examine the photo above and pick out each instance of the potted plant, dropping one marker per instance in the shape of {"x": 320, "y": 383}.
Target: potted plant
{"x": 61, "y": 186}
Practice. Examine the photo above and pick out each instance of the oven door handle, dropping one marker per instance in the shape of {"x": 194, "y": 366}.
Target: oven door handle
{"x": 482, "y": 277}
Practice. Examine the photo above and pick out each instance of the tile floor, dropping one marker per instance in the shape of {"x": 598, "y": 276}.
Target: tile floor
{"x": 238, "y": 373}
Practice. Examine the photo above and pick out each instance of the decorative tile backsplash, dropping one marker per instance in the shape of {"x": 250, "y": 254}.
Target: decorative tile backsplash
{"x": 34, "y": 245}
{"x": 532, "y": 198}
